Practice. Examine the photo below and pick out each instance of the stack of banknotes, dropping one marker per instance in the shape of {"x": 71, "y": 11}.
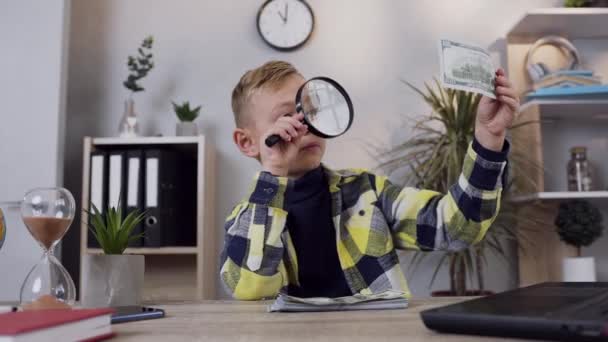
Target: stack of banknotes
{"x": 379, "y": 301}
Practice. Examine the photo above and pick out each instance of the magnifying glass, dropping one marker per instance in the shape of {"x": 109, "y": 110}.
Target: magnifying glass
{"x": 327, "y": 108}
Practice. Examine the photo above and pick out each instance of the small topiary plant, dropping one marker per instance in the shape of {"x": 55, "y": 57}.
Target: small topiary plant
{"x": 578, "y": 223}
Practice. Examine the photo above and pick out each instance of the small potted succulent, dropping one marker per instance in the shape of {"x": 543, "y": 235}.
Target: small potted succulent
{"x": 186, "y": 115}
{"x": 578, "y": 224}
{"x": 113, "y": 278}
{"x": 139, "y": 66}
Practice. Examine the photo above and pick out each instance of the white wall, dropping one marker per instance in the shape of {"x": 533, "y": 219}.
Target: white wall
{"x": 31, "y": 120}
{"x": 202, "y": 48}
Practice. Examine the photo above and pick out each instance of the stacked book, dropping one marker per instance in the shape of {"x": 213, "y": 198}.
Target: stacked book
{"x": 56, "y": 325}
{"x": 567, "y": 78}
{"x": 568, "y": 83}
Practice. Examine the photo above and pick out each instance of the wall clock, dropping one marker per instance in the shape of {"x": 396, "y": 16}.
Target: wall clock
{"x": 285, "y": 24}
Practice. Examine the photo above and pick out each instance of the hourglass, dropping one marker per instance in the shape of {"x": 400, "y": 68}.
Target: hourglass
{"x": 47, "y": 214}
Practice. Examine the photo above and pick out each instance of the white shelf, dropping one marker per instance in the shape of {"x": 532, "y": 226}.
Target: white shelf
{"x": 571, "y": 22}
{"x": 186, "y": 271}
{"x": 150, "y": 251}
{"x": 570, "y": 108}
{"x": 561, "y": 195}
{"x": 146, "y": 140}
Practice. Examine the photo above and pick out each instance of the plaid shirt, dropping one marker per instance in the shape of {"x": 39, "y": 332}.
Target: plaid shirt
{"x": 372, "y": 218}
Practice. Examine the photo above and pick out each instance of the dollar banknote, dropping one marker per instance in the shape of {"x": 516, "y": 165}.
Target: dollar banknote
{"x": 385, "y": 300}
{"x": 357, "y": 298}
{"x": 466, "y": 67}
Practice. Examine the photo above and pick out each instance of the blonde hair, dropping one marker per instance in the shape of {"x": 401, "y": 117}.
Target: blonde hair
{"x": 271, "y": 74}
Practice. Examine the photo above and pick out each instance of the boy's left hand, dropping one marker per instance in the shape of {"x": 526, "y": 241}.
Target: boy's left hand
{"x": 495, "y": 116}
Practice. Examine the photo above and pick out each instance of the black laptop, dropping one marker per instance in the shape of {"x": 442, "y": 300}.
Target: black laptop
{"x": 549, "y": 311}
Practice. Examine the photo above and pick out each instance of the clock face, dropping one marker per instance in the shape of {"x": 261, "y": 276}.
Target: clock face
{"x": 285, "y": 24}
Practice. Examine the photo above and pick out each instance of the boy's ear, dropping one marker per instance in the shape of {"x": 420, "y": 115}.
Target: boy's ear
{"x": 245, "y": 141}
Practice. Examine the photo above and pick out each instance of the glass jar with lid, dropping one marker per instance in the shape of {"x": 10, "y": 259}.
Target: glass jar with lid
{"x": 580, "y": 173}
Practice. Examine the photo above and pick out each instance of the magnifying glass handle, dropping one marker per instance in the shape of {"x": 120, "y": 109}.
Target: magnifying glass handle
{"x": 272, "y": 140}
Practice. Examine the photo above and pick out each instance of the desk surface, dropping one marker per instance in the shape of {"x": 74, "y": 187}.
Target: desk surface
{"x": 249, "y": 321}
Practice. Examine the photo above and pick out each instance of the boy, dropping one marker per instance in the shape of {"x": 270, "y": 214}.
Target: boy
{"x": 313, "y": 231}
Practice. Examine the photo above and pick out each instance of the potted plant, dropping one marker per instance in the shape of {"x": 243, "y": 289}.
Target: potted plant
{"x": 186, "y": 125}
{"x": 433, "y": 159}
{"x": 113, "y": 278}
{"x": 578, "y": 224}
{"x": 139, "y": 67}
{"x": 585, "y": 3}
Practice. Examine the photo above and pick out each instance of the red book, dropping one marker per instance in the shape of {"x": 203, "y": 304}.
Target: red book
{"x": 56, "y": 325}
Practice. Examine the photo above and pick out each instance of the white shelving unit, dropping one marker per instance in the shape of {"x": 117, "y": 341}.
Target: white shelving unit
{"x": 570, "y": 109}
{"x": 570, "y": 22}
{"x": 560, "y": 124}
{"x": 147, "y": 141}
{"x": 562, "y": 195}
{"x": 176, "y": 272}
{"x": 153, "y": 251}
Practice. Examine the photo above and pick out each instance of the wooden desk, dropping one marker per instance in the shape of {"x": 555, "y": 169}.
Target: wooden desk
{"x": 249, "y": 321}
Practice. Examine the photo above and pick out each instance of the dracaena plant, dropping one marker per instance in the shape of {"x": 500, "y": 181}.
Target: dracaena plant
{"x": 112, "y": 231}
{"x": 433, "y": 159}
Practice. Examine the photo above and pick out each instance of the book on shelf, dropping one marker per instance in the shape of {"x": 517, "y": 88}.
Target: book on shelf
{"x": 564, "y": 81}
{"x": 158, "y": 180}
{"x": 586, "y": 92}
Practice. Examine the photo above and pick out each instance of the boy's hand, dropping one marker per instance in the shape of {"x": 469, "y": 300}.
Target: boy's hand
{"x": 276, "y": 159}
{"x": 495, "y": 116}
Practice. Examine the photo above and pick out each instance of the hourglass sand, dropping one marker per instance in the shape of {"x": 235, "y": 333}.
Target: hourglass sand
{"x": 47, "y": 214}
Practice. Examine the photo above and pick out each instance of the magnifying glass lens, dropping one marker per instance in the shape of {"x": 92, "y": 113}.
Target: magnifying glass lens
{"x": 327, "y": 108}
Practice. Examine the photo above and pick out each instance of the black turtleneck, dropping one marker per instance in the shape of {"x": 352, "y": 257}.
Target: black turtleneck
{"x": 310, "y": 224}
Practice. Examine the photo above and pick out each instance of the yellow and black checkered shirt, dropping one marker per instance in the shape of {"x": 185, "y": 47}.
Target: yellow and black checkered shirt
{"x": 259, "y": 259}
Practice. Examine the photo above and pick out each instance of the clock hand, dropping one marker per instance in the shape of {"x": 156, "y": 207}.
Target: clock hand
{"x": 286, "y": 11}
{"x": 282, "y": 17}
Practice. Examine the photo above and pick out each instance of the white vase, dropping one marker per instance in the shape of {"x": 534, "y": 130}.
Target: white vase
{"x": 578, "y": 269}
{"x": 129, "y": 125}
{"x": 186, "y": 129}
{"x": 112, "y": 280}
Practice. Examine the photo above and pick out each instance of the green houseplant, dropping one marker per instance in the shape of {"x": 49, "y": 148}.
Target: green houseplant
{"x": 139, "y": 66}
{"x": 585, "y": 3}
{"x": 113, "y": 278}
{"x": 432, "y": 159}
{"x": 112, "y": 231}
{"x": 576, "y": 3}
{"x": 186, "y": 116}
{"x": 579, "y": 224}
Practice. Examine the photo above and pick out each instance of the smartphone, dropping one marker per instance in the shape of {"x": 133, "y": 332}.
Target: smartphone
{"x": 124, "y": 314}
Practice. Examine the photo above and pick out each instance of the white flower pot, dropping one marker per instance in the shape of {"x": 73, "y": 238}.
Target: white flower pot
{"x": 578, "y": 269}
{"x": 186, "y": 129}
{"x": 112, "y": 280}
